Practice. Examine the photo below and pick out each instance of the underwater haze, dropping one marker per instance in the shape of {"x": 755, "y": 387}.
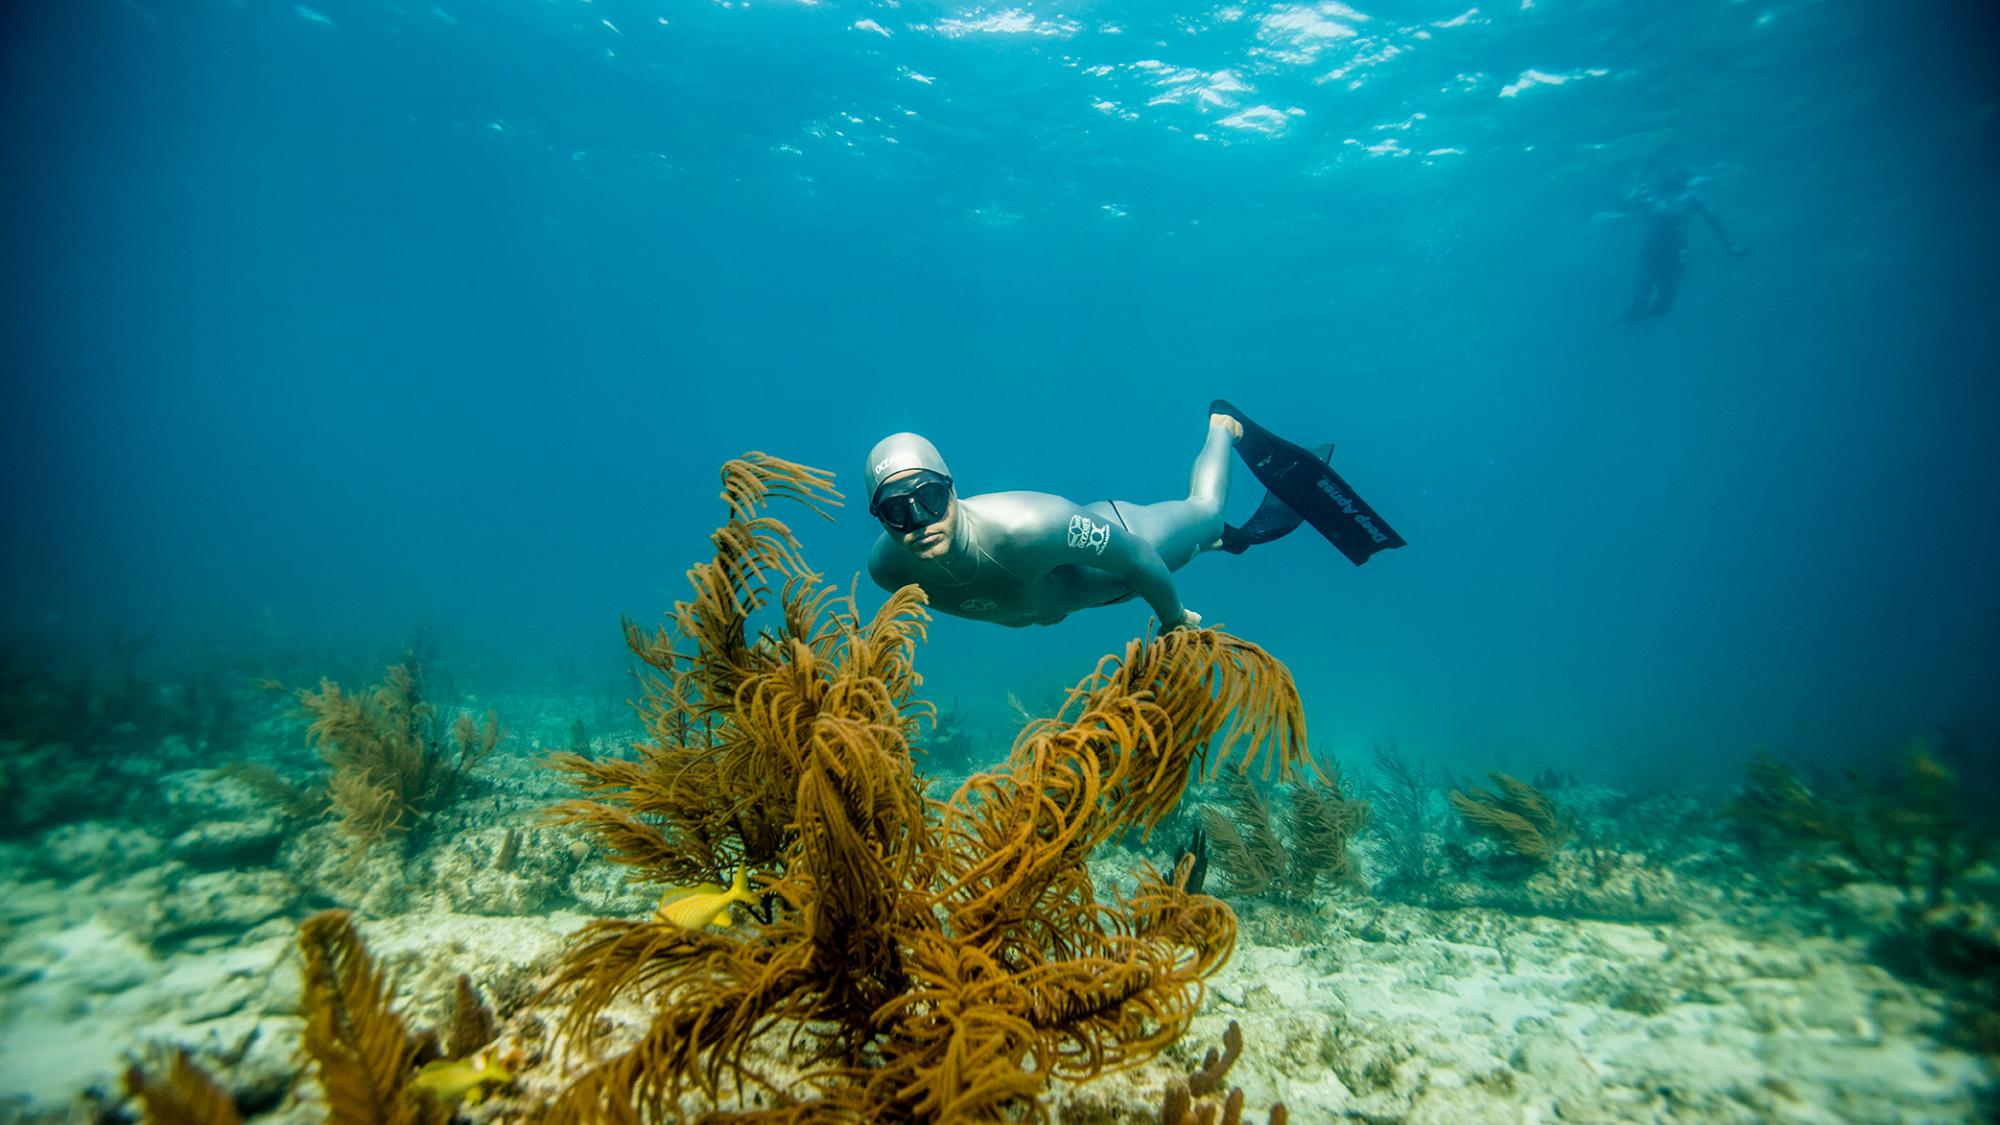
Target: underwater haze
{"x": 368, "y": 363}
{"x": 333, "y": 321}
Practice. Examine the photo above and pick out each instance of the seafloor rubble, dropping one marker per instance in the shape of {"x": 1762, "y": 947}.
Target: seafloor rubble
{"x": 1489, "y": 999}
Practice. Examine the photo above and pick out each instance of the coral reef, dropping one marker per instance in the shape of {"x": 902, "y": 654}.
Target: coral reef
{"x": 1404, "y": 819}
{"x": 950, "y": 746}
{"x": 363, "y": 1055}
{"x": 1603, "y": 883}
{"x": 1647, "y": 972}
{"x": 924, "y": 960}
{"x": 1613, "y": 866}
{"x": 183, "y": 1095}
{"x": 1324, "y": 818}
{"x": 1909, "y": 833}
{"x": 390, "y": 763}
{"x": 1826, "y": 949}
{"x": 1519, "y": 816}
{"x": 1180, "y": 1105}
{"x": 1321, "y": 818}
{"x": 1913, "y": 834}
{"x": 84, "y": 735}
{"x": 1243, "y": 839}
{"x": 369, "y": 1067}
{"x": 1955, "y": 948}
{"x": 471, "y": 1021}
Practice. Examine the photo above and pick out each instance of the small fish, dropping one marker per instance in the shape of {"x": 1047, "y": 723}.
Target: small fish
{"x": 451, "y": 1081}
{"x": 705, "y": 904}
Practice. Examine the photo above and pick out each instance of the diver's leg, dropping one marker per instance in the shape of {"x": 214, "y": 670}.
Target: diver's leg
{"x": 1208, "y": 484}
{"x": 1642, "y": 292}
{"x": 1181, "y": 529}
{"x": 1669, "y": 285}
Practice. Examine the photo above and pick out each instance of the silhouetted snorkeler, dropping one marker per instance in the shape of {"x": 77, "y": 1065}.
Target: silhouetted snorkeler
{"x": 1667, "y": 204}
{"x": 1032, "y": 558}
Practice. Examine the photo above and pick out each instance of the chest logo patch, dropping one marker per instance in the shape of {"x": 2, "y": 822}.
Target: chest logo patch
{"x": 979, "y": 605}
{"x": 1087, "y": 536}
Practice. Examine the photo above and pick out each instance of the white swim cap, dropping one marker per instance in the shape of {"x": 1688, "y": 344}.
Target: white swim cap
{"x": 900, "y": 453}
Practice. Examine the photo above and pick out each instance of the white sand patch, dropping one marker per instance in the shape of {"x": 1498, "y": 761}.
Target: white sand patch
{"x": 81, "y": 998}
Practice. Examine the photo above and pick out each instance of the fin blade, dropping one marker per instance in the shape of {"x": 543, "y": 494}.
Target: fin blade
{"x": 1304, "y": 485}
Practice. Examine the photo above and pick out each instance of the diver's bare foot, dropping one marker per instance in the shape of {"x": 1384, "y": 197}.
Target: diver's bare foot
{"x": 1234, "y": 427}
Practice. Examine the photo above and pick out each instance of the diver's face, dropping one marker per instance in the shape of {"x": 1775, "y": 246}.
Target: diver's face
{"x": 932, "y": 540}
{"x": 906, "y": 505}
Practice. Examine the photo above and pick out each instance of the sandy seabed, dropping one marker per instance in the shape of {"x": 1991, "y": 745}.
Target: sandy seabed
{"x": 114, "y": 937}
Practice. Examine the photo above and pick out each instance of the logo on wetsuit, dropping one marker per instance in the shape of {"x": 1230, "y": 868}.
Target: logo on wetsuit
{"x": 979, "y": 605}
{"x": 1085, "y": 535}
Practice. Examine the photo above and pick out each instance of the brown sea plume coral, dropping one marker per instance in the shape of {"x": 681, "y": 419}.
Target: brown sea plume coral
{"x": 1910, "y": 831}
{"x": 372, "y": 1069}
{"x": 362, "y": 1053}
{"x": 173, "y": 1090}
{"x": 924, "y": 960}
{"x": 1520, "y": 816}
{"x": 1322, "y": 818}
{"x": 390, "y": 766}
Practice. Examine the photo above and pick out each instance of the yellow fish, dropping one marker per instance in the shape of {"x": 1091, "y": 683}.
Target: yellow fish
{"x": 451, "y": 1081}
{"x": 705, "y": 904}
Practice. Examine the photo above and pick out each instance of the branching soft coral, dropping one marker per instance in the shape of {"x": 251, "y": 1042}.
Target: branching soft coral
{"x": 1244, "y": 838}
{"x": 1325, "y": 817}
{"x": 388, "y": 767}
{"x": 361, "y": 1051}
{"x": 1321, "y": 819}
{"x": 1519, "y": 816}
{"x": 928, "y": 960}
{"x": 1180, "y": 1107}
{"x": 174, "y": 1090}
{"x": 1914, "y": 831}
{"x": 1910, "y": 833}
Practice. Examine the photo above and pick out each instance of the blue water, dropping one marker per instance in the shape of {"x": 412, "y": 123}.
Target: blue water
{"x": 326, "y": 321}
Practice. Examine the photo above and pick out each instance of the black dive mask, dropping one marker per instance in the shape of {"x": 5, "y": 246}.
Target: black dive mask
{"x": 908, "y": 503}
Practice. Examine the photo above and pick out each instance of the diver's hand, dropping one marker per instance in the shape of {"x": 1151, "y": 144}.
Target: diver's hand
{"x": 1234, "y": 427}
{"x": 1189, "y": 620}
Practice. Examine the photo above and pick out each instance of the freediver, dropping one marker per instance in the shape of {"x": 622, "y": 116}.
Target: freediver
{"x": 1032, "y": 558}
{"x": 1666, "y": 204}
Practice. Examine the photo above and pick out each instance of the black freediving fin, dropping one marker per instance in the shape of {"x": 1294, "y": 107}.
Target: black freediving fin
{"x": 1303, "y": 488}
{"x": 1271, "y": 520}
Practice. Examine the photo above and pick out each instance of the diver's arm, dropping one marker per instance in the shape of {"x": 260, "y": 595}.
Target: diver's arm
{"x": 1135, "y": 560}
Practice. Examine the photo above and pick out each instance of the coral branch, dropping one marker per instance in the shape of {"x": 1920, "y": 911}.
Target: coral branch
{"x": 185, "y": 1095}
{"x": 1520, "y": 816}
{"x": 1214, "y": 1068}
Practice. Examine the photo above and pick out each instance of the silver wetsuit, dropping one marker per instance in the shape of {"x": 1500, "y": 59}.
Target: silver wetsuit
{"x": 1030, "y": 558}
